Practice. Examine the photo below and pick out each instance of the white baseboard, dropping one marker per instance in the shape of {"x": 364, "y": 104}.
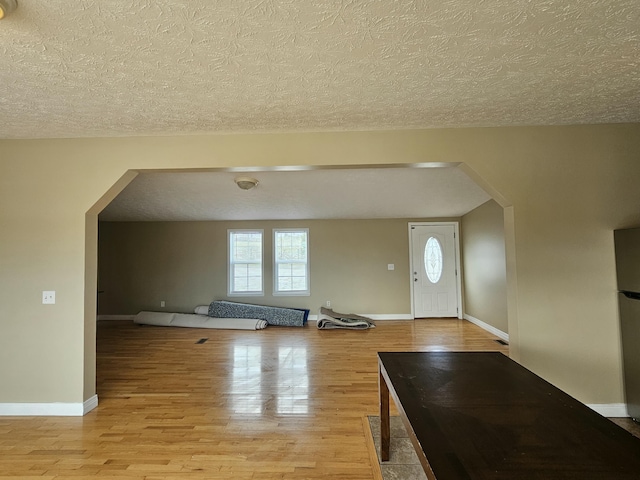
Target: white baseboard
{"x": 498, "y": 333}
{"x": 373, "y": 316}
{"x": 610, "y": 409}
{"x": 390, "y": 316}
{"x": 48, "y": 409}
{"x": 89, "y": 404}
{"x": 115, "y": 317}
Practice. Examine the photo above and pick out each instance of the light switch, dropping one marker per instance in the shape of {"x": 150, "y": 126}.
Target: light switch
{"x": 48, "y": 297}
{"x": 391, "y": 266}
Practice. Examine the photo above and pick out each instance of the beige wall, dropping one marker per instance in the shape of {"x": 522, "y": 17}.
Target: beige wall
{"x": 566, "y": 189}
{"x": 484, "y": 263}
{"x": 185, "y": 264}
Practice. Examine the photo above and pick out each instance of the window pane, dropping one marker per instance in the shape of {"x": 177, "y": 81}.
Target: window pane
{"x": 241, "y": 284}
{"x": 254, "y": 270}
{"x": 284, "y": 284}
{"x": 291, "y": 246}
{"x": 433, "y": 259}
{"x": 247, "y": 247}
{"x": 291, "y": 253}
{"x": 240, "y": 270}
{"x": 298, "y": 269}
{"x": 284, "y": 269}
{"x": 299, "y": 283}
{"x": 254, "y": 284}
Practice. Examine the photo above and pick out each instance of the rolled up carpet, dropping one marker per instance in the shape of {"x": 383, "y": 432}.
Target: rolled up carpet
{"x": 291, "y": 317}
{"x": 167, "y": 319}
{"x": 328, "y": 319}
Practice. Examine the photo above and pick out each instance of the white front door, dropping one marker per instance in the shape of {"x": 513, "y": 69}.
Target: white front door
{"x": 434, "y": 270}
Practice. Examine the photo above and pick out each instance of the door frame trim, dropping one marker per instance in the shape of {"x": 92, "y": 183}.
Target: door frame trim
{"x": 456, "y": 231}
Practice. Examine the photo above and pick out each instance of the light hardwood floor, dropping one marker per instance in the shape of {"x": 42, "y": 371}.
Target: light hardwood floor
{"x": 281, "y": 403}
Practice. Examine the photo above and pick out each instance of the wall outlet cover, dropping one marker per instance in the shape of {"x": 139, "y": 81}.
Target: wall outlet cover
{"x": 48, "y": 297}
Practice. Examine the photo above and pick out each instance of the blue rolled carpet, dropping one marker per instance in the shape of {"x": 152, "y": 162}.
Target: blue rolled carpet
{"x": 290, "y": 317}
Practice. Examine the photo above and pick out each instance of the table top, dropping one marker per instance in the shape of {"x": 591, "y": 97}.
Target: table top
{"x": 481, "y": 415}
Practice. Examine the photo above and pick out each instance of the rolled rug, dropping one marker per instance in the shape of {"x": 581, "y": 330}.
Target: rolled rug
{"x": 328, "y": 319}
{"x": 290, "y": 317}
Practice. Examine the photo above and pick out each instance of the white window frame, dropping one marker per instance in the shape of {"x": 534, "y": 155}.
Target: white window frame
{"x": 289, "y": 293}
{"x": 230, "y": 263}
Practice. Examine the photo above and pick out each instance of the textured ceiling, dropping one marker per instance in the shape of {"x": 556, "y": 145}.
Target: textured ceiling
{"x": 292, "y": 195}
{"x": 160, "y": 67}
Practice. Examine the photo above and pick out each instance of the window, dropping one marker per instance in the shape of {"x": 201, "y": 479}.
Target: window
{"x": 245, "y": 262}
{"x": 291, "y": 262}
{"x": 433, "y": 259}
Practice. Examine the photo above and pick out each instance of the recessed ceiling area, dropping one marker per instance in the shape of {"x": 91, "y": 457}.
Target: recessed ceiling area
{"x": 174, "y": 67}
{"x": 341, "y": 193}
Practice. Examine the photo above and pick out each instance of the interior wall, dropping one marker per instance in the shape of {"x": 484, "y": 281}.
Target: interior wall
{"x": 485, "y": 270}
{"x": 566, "y": 187}
{"x": 185, "y": 265}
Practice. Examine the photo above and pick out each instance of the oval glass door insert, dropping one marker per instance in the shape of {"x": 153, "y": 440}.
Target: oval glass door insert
{"x": 433, "y": 259}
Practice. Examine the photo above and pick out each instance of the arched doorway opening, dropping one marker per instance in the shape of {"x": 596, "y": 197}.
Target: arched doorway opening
{"x": 128, "y": 177}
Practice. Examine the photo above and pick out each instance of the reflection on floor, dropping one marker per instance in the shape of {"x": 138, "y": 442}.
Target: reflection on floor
{"x": 292, "y": 384}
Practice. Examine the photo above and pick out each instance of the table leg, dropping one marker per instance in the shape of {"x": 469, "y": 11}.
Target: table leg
{"x": 385, "y": 429}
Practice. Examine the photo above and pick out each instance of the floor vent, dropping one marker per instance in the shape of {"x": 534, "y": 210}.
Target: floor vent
{"x": 502, "y": 342}
{"x": 202, "y": 340}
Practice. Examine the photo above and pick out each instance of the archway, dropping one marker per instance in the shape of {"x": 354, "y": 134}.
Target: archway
{"x": 112, "y": 193}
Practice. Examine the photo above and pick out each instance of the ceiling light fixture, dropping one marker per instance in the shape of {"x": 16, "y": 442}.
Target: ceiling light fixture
{"x": 6, "y": 7}
{"x": 246, "y": 183}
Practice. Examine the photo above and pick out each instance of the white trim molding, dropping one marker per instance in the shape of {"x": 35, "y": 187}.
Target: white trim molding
{"x": 390, "y": 316}
{"x": 48, "y": 409}
{"x": 89, "y": 404}
{"x": 615, "y": 410}
{"x": 373, "y": 316}
{"x": 485, "y": 326}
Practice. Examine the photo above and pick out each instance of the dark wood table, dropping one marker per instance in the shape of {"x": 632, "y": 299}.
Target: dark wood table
{"x": 481, "y": 415}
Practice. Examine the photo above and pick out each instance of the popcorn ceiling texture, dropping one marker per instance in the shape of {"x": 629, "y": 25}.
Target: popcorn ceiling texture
{"x": 293, "y": 195}
{"x": 161, "y": 67}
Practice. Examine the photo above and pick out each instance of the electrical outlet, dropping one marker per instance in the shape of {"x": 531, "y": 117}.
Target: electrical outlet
{"x": 49, "y": 297}
{"x": 391, "y": 266}
{"x": 328, "y": 303}
{"x": 162, "y": 303}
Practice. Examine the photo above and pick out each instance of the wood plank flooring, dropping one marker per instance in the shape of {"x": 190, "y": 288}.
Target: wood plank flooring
{"x": 281, "y": 403}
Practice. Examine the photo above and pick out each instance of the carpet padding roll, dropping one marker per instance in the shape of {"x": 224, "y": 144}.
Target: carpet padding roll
{"x": 291, "y": 317}
{"x": 167, "y": 319}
